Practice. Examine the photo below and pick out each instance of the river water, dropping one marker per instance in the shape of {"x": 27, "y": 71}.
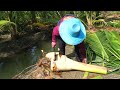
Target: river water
{"x": 11, "y": 66}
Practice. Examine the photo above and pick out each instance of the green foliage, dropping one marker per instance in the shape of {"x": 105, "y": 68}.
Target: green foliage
{"x": 114, "y": 23}
{"x": 51, "y": 21}
{"x": 105, "y": 46}
{"x": 115, "y": 12}
{"x": 8, "y": 26}
{"x": 4, "y": 27}
{"x": 97, "y": 45}
{"x": 99, "y": 23}
{"x": 39, "y": 26}
{"x": 4, "y": 23}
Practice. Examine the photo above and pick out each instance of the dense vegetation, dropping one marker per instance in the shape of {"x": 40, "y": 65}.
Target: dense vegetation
{"x": 26, "y": 21}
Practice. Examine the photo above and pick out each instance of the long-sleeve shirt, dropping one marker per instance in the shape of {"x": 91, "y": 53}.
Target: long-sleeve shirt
{"x": 55, "y": 33}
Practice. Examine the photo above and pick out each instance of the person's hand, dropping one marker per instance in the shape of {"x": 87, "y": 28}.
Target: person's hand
{"x": 53, "y": 44}
{"x": 84, "y": 60}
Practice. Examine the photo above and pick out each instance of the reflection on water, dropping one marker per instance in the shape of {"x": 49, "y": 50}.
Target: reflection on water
{"x": 13, "y": 65}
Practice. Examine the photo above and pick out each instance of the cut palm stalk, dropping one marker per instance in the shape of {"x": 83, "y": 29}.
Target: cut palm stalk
{"x": 64, "y": 63}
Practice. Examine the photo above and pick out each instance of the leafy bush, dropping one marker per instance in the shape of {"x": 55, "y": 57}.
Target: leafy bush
{"x": 5, "y": 25}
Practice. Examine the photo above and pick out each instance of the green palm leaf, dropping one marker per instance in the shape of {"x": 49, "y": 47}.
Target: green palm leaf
{"x": 114, "y": 43}
{"x": 95, "y": 42}
{"x": 105, "y": 44}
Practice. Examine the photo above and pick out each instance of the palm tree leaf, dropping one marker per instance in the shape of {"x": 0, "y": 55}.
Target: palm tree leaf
{"x": 97, "y": 43}
{"x": 105, "y": 44}
{"x": 114, "y": 43}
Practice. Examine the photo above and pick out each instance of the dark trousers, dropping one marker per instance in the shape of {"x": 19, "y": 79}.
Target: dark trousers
{"x": 62, "y": 45}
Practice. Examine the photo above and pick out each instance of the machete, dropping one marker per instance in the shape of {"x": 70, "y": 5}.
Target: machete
{"x": 55, "y": 56}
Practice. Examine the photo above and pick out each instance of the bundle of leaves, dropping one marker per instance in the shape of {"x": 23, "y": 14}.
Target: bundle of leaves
{"x": 103, "y": 48}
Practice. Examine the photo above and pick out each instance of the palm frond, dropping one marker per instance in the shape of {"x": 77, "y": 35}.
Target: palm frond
{"x": 106, "y": 45}
{"x": 95, "y": 41}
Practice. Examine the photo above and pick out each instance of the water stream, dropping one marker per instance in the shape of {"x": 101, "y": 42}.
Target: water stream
{"x": 9, "y": 67}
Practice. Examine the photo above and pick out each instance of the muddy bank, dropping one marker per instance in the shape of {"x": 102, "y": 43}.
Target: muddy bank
{"x": 9, "y": 47}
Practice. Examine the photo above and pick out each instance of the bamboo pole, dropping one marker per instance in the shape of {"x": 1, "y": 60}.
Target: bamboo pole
{"x": 64, "y": 63}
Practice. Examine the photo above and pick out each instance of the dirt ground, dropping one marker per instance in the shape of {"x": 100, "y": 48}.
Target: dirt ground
{"x": 80, "y": 74}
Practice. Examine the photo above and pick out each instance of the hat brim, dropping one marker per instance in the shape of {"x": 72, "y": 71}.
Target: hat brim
{"x": 67, "y": 38}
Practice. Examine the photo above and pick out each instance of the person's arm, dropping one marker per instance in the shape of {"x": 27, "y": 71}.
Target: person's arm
{"x": 54, "y": 34}
{"x": 83, "y": 52}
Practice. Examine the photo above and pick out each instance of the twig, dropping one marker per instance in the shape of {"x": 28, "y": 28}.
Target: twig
{"x": 23, "y": 71}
